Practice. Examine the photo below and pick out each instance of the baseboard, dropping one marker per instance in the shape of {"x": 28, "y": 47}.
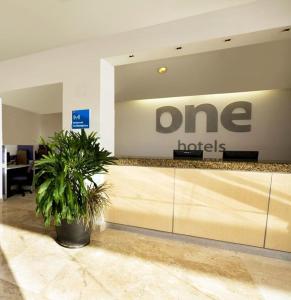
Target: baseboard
{"x": 204, "y": 242}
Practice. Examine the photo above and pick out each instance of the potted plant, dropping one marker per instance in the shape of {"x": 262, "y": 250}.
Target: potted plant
{"x": 66, "y": 193}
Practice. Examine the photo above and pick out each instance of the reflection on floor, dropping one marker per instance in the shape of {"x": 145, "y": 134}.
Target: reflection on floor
{"x": 126, "y": 265}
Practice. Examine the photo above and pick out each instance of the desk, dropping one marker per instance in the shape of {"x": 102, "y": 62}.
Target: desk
{"x": 12, "y": 167}
{"x": 245, "y": 203}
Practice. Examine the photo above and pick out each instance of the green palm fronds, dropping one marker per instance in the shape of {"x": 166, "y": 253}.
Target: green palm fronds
{"x": 73, "y": 159}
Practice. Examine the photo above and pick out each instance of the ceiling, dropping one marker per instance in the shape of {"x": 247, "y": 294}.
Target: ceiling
{"x": 45, "y": 99}
{"x": 251, "y": 38}
{"x": 32, "y": 25}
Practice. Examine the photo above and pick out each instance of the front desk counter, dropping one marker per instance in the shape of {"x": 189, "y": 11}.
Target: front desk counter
{"x": 245, "y": 203}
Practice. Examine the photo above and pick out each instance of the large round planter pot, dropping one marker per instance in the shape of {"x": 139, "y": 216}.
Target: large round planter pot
{"x": 73, "y": 235}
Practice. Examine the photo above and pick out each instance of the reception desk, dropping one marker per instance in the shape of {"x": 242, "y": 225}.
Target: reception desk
{"x": 245, "y": 203}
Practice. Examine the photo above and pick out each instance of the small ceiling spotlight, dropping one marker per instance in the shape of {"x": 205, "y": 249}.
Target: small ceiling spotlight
{"x": 162, "y": 70}
{"x": 285, "y": 30}
{"x": 227, "y": 40}
{"x": 131, "y": 55}
{"x": 179, "y": 48}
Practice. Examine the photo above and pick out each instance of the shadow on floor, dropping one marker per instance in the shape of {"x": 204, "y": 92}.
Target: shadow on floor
{"x": 198, "y": 259}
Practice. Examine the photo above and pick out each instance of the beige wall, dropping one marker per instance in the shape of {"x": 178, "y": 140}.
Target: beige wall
{"x": 49, "y": 124}
{"x": 24, "y": 127}
{"x": 250, "y": 68}
{"x": 20, "y": 126}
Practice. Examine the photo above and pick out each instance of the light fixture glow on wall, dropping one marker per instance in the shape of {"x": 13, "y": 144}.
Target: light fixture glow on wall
{"x": 162, "y": 70}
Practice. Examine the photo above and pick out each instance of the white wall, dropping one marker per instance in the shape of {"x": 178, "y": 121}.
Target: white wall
{"x": 107, "y": 110}
{"x": 270, "y": 126}
{"x": 78, "y": 66}
{"x": 44, "y": 99}
{"x": 12, "y": 149}
{"x": 22, "y": 127}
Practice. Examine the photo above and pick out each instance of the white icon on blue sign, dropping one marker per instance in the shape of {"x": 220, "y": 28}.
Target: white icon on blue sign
{"x": 80, "y": 119}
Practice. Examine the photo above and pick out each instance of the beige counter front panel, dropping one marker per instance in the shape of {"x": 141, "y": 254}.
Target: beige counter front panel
{"x": 279, "y": 219}
{"x": 141, "y": 196}
{"x": 222, "y": 205}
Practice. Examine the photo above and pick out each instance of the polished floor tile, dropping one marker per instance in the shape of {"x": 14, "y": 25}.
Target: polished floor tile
{"x": 126, "y": 265}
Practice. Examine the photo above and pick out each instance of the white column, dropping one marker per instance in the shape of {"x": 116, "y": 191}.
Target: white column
{"x": 107, "y": 105}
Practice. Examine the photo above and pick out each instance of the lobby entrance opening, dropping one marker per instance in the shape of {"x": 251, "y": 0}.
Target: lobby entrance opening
{"x": 28, "y": 116}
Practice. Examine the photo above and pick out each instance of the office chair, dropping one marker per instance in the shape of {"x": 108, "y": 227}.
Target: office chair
{"x": 22, "y": 180}
{"x": 42, "y": 150}
{"x": 21, "y": 157}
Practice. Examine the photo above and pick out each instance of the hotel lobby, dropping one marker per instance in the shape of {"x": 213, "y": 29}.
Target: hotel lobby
{"x": 146, "y": 150}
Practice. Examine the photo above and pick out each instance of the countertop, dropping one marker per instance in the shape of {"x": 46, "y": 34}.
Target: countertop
{"x": 206, "y": 164}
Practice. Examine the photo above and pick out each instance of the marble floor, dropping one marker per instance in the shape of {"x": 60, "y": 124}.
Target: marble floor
{"x": 126, "y": 265}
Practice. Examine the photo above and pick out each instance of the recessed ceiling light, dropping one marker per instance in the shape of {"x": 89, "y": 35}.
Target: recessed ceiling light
{"x": 179, "y": 48}
{"x": 285, "y": 30}
{"x": 162, "y": 70}
{"x": 227, "y": 40}
{"x": 131, "y": 55}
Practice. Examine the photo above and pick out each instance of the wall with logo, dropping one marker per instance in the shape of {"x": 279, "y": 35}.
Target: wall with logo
{"x": 257, "y": 120}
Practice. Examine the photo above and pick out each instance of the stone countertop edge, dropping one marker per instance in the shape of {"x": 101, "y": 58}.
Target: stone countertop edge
{"x": 206, "y": 164}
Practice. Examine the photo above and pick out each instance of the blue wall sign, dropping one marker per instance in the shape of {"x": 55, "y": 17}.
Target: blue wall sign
{"x": 80, "y": 118}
